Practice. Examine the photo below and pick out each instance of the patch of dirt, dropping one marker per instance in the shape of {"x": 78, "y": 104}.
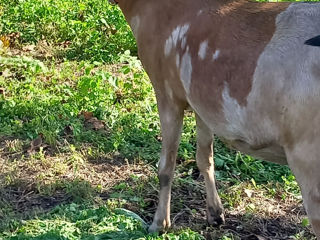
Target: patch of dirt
{"x": 37, "y": 182}
{"x": 272, "y": 218}
{"x": 30, "y": 184}
{"x": 23, "y": 200}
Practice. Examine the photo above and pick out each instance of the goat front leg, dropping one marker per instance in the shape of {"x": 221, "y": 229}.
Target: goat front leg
{"x": 171, "y": 118}
{"x": 215, "y": 212}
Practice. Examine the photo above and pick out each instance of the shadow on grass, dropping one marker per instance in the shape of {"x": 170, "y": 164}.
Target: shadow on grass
{"x": 23, "y": 201}
{"x": 139, "y": 196}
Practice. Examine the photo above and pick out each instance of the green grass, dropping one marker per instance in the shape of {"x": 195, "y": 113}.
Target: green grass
{"x": 85, "y": 30}
{"x": 69, "y": 77}
{"x": 47, "y": 101}
{"x": 82, "y": 222}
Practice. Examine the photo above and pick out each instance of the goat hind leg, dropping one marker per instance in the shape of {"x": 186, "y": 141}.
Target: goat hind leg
{"x": 304, "y": 161}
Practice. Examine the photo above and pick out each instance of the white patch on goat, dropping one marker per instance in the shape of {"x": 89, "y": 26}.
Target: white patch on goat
{"x": 183, "y": 42}
{"x": 135, "y": 25}
{"x": 178, "y": 34}
{"x": 186, "y": 70}
{"x": 175, "y": 35}
{"x": 239, "y": 118}
{"x": 203, "y": 50}
{"x": 216, "y": 55}
{"x": 234, "y": 114}
{"x": 199, "y": 12}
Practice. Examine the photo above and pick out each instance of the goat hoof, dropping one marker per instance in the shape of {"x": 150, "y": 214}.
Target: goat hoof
{"x": 158, "y": 226}
{"x": 215, "y": 217}
{"x": 154, "y": 228}
{"x": 217, "y": 221}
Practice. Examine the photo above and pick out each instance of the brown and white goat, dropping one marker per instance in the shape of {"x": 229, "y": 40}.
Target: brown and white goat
{"x": 251, "y": 73}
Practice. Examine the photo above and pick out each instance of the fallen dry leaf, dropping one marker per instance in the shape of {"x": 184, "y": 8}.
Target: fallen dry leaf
{"x": 249, "y": 193}
{"x": 36, "y": 143}
{"x": 5, "y": 41}
{"x": 6, "y": 73}
{"x": 87, "y": 115}
{"x": 94, "y": 123}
